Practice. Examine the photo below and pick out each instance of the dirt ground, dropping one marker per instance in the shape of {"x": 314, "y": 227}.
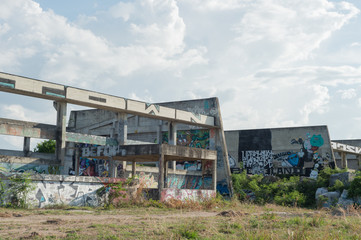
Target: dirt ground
{"x": 79, "y": 224}
{"x": 242, "y": 222}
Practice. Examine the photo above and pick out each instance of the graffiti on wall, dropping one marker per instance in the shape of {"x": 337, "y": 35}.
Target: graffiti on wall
{"x": 147, "y": 180}
{"x": 307, "y": 161}
{"x": 190, "y": 138}
{"x": 30, "y": 168}
{"x": 71, "y": 193}
{"x": 186, "y": 194}
{"x": 93, "y": 167}
{"x": 257, "y": 162}
{"x": 189, "y": 182}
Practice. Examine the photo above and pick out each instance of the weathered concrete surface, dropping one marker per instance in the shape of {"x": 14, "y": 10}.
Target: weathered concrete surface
{"x": 57, "y": 92}
{"x": 294, "y": 151}
{"x": 186, "y": 194}
{"x": 351, "y": 149}
{"x": 150, "y": 152}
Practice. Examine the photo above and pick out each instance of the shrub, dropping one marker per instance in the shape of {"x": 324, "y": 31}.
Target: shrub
{"x": 339, "y": 186}
{"x": 47, "y": 146}
{"x": 323, "y": 179}
{"x": 17, "y": 191}
{"x": 355, "y": 187}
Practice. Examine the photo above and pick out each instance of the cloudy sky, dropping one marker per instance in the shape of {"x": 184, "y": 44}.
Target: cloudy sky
{"x": 272, "y": 63}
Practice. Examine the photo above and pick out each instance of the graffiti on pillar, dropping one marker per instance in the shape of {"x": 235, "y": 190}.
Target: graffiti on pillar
{"x": 93, "y": 167}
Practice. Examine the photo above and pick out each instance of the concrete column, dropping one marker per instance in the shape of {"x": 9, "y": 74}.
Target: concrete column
{"x": 134, "y": 168}
{"x": 343, "y": 160}
{"x": 359, "y": 161}
{"x": 60, "y": 131}
{"x": 172, "y": 138}
{"x": 159, "y": 132}
{"x": 122, "y": 128}
{"x": 161, "y": 175}
{"x": 112, "y": 167}
{"x": 26, "y": 147}
{"x": 214, "y": 176}
{"x": 76, "y": 166}
{"x": 122, "y": 133}
{"x": 165, "y": 174}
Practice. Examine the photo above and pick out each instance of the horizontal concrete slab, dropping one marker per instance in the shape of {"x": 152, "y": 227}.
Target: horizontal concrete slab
{"x": 57, "y": 92}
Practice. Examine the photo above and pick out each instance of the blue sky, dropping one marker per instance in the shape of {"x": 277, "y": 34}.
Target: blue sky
{"x": 272, "y": 63}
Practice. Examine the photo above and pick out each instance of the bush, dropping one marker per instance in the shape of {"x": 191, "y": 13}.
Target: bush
{"x": 47, "y": 146}
{"x": 289, "y": 191}
{"x": 17, "y": 190}
{"x": 355, "y": 187}
{"x": 323, "y": 179}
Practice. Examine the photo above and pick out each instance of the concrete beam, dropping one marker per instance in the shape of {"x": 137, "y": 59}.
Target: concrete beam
{"x": 344, "y": 148}
{"x": 51, "y": 91}
{"x": 27, "y": 129}
{"x": 149, "y": 150}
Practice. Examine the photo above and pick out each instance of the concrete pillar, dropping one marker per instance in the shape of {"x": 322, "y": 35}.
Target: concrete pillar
{"x": 122, "y": 128}
{"x": 26, "y": 147}
{"x": 343, "y": 160}
{"x": 60, "y": 131}
{"x": 76, "y": 166}
{"x": 112, "y": 168}
{"x": 134, "y": 168}
{"x": 161, "y": 175}
{"x": 166, "y": 173}
{"x": 359, "y": 161}
{"x": 159, "y": 132}
{"x": 214, "y": 176}
{"x": 172, "y": 138}
{"x": 122, "y": 133}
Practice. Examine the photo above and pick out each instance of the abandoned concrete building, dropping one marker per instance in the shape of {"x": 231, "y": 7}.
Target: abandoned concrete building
{"x": 176, "y": 149}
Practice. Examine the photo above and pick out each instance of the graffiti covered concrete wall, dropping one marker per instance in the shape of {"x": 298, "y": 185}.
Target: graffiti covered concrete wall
{"x": 290, "y": 151}
{"x": 217, "y": 141}
{"x": 186, "y": 194}
{"x": 29, "y": 167}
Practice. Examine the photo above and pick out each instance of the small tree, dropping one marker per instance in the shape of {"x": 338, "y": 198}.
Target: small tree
{"x": 47, "y": 146}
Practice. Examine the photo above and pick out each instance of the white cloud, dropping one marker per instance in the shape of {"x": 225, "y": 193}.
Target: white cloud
{"x": 271, "y": 62}
{"x": 122, "y": 10}
{"x": 348, "y": 93}
{"x": 76, "y": 56}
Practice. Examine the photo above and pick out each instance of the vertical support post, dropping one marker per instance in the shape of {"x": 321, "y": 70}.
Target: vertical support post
{"x": 214, "y": 175}
{"x": 134, "y": 168}
{"x": 343, "y": 160}
{"x": 359, "y": 161}
{"x": 77, "y": 154}
{"x": 111, "y": 167}
{"x": 159, "y": 132}
{"x": 161, "y": 174}
{"x": 60, "y": 131}
{"x": 165, "y": 174}
{"x": 26, "y": 147}
{"x": 122, "y": 133}
{"x": 172, "y": 138}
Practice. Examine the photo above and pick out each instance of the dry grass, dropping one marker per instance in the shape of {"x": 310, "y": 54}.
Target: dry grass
{"x": 233, "y": 220}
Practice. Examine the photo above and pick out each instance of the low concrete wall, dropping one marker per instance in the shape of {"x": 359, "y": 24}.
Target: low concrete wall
{"x": 186, "y": 194}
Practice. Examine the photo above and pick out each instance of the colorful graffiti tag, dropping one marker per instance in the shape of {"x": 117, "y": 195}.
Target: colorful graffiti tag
{"x": 93, "y": 167}
{"x": 307, "y": 161}
{"x": 189, "y": 182}
{"x": 191, "y": 138}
